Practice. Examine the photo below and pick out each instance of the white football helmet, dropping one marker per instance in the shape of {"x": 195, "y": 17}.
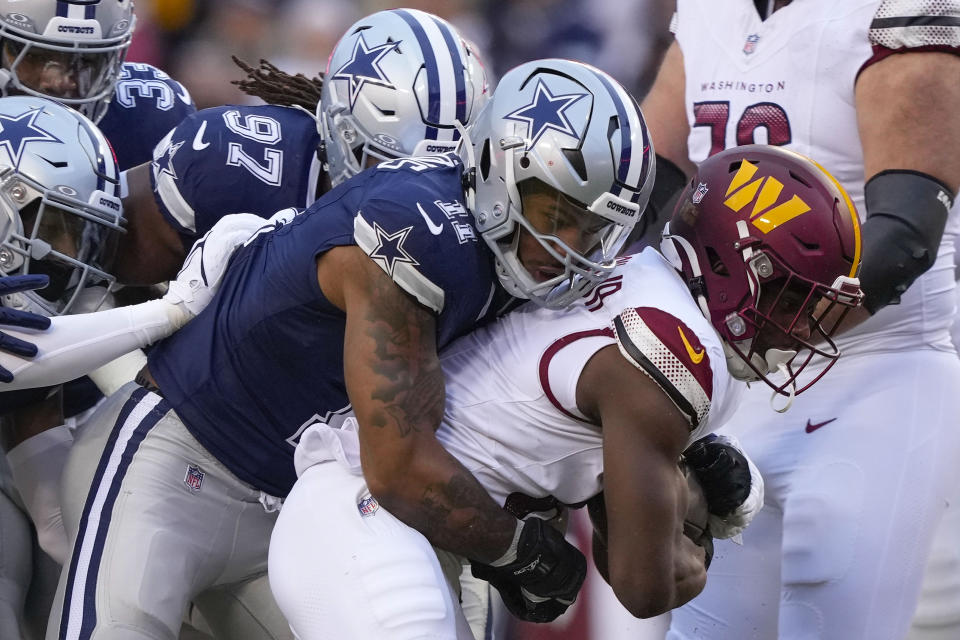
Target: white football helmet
{"x": 571, "y": 129}
{"x": 59, "y": 201}
{"x": 70, "y": 51}
{"x": 395, "y": 86}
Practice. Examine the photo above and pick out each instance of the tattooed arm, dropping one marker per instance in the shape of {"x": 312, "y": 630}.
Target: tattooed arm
{"x": 396, "y": 387}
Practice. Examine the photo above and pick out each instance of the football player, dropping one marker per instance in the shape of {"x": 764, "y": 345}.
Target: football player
{"x": 552, "y": 407}
{"x": 59, "y": 200}
{"x": 857, "y": 471}
{"x": 378, "y": 250}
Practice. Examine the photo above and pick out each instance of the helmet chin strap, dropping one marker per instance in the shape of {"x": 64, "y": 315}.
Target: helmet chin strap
{"x": 5, "y": 77}
{"x": 776, "y": 360}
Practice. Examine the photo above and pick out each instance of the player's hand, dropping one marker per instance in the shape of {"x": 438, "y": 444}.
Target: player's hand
{"x": 732, "y": 484}
{"x": 21, "y": 319}
{"x": 544, "y": 577}
{"x": 202, "y": 271}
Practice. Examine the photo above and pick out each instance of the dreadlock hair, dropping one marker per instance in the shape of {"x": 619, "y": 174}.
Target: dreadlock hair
{"x": 278, "y": 87}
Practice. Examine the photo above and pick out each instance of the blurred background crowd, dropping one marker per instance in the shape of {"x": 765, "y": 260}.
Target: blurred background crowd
{"x": 193, "y": 40}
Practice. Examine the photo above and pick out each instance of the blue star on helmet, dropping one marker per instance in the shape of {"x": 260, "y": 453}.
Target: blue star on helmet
{"x": 17, "y": 131}
{"x": 547, "y": 112}
{"x": 389, "y": 250}
{"x": 164, "y": 164}
{"x": 364, "y": 67}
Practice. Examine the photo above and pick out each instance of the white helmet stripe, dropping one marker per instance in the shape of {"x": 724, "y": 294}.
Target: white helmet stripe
{"x": 442, "y": 66}
{"x": 631, "y": 170}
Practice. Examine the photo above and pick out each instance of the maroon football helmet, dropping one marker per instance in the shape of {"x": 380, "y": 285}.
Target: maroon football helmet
{"x": 769, "y": 244}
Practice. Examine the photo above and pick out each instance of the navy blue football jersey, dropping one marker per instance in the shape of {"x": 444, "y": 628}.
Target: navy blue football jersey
{"x": 236, "y": 159}
{"x": 146, "y": 105}
{"x": 265, "y": 359}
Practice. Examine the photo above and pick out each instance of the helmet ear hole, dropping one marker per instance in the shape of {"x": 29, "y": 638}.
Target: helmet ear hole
{"x": 716, "y": 263}
{"x": 485, "y": 160}
{"x": 575, "y": 158}
{"x": 799, "y": 178}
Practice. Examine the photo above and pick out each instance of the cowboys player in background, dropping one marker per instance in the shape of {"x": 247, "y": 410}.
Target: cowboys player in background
{"x": 857, "y": 471}
{"x": 60, "y": 201}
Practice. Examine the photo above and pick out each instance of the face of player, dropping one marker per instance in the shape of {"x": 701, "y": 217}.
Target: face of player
{"x": 790, "y": 312}
{"x": 63, "y": 232}
{"x": 55, "y": 73}
{"x": 552, "y": 214}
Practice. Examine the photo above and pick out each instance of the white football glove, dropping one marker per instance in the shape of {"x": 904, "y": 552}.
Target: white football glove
{"x": 732, "y": 483}
{"x": 199, "y": 279}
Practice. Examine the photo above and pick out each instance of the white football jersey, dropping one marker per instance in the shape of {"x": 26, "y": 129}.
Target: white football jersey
{"x": 789, "y": 80}
{"x": 511, "y": 415}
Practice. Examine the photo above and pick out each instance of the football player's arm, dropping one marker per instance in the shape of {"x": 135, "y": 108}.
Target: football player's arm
{"x": 396, "y": 386}
{"x": 907, "y": 117}
{"x": 151, "y": 250}
{"x": 663, "y": 109}
{"x": 651, "y": 565}
{"x": 665, "y": 113}
{"x": 77, "y": 344}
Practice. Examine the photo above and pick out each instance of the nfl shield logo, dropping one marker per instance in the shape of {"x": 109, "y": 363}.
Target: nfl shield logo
{"x": 368, "y": 506}
{"x": 699, "y": 193}
{"x": 751, "y": 44}
{"x": 194, "y": 478}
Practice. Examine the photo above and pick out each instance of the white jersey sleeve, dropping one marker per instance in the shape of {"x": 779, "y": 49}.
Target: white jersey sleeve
{"x": 669, "y": 352}
{"x": 910, "y": 24}
{"x": 76, "y": 345}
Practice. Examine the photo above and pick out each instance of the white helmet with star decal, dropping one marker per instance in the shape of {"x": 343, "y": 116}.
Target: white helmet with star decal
{"x": 70, "y": 51}
{"x": 395, "y": 86}
{"x": 59, "y": 201}
{"x": 563, "y": 168}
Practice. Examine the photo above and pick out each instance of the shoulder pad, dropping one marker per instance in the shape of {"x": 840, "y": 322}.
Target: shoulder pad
{"x": 900, "y": 24}
{"x": 395, "y": 250}
{"x": 235, "y": 159}
{"x": 668, "y": 351}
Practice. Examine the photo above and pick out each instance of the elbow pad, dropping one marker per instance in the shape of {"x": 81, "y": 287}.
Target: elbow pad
{"x": 669, "y": 181}
{"x": 906, "y": 214}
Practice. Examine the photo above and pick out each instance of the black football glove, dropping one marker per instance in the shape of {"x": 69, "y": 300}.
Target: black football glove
{"x": 731, "y": 483}
{"x": 544, "y": 578}
{"x": 723, "y": 473}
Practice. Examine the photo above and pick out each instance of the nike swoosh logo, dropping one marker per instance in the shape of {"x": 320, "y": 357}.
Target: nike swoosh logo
{"x": 813, "y": 427}
{"x": 435, "y": 229}
{"x": 695, "y": 356}
{"x": 198, "y": 143}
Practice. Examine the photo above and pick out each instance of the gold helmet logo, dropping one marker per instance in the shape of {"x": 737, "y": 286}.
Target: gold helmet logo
{"x": 764, "y": 193}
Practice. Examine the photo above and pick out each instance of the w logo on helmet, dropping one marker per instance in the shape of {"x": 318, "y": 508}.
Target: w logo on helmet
{"x": 764, "y": 193}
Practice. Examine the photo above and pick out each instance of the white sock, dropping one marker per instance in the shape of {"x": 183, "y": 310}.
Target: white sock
{"x": 36, "y": 465}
